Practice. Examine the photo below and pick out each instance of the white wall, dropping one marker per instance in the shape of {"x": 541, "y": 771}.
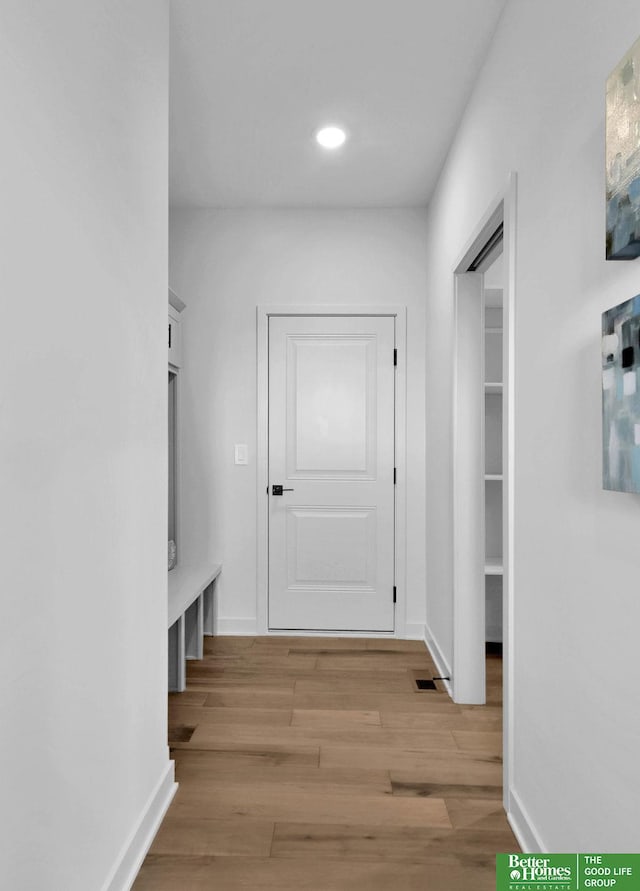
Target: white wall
{"x": 538, "y": 109}
{"x": 225, "y": 263}
{"x": 83, "y": 179}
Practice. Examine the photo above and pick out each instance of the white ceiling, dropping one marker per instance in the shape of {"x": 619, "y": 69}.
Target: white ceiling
{"x": 251, "y": 80}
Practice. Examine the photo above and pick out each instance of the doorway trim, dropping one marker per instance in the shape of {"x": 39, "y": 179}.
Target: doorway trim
{"x": 502, "y": 208}
{"x": 399, "y": 314}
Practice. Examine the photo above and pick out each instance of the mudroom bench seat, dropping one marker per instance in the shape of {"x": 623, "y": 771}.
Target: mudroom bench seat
{"x": 190, "y": 616}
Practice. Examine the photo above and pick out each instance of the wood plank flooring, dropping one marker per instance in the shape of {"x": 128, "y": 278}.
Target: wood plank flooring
{"x": 315, "y": 764}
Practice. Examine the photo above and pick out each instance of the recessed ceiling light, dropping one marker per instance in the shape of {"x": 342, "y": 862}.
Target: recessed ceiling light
{"x": 331, "y": 137}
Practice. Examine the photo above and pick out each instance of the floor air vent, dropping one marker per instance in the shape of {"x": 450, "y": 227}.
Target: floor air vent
{"x": 425, "y": 684}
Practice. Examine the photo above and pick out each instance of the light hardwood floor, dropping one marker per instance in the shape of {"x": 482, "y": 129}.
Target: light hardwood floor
{"x": 314, "y": 764}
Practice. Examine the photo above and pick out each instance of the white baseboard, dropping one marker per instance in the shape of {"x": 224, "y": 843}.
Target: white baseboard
{"x": 414, "y": 631}
{"x": 442, "y": 665}
{"x": 237, "y": 627}
{"x": 128, "y": 864}
{"x": 523, "y": 828}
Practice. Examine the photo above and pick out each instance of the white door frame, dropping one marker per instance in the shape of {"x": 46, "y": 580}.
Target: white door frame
{"x": 399, "y": 314}
{"x": 467, "y": 611}
{"x": 468, "y": 681}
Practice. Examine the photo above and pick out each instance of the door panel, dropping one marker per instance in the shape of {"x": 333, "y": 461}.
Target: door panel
{"x": 331, "y": 443}
{"x": 331, "y": 548}
{"x": 332, "y": 391}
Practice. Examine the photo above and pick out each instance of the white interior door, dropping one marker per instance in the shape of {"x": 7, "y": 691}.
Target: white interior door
{"x": 331, "y": 449}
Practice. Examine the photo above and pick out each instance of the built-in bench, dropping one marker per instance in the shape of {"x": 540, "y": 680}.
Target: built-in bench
{"x": 190, "y": 616}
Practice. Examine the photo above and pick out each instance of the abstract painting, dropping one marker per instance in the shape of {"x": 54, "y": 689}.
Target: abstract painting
{"x": 623, "y": 158}
{"x": 621, "y": 397}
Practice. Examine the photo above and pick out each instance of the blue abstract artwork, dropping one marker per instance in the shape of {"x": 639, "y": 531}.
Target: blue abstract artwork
{"x": 623, "y": 158}
{"x": 621, "y": 397}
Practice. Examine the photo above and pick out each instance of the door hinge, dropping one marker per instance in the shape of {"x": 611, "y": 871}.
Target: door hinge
{"x": 394, "y": 476}
{"x": 395, "y": 593}
{"x": 395, "y": 356}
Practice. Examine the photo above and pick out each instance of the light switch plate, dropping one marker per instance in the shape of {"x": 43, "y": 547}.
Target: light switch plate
{"x": 241, "y": 453}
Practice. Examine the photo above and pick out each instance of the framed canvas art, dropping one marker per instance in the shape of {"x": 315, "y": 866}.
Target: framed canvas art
{"x": 623, "y": 158}
{"x": 621, "y": 397}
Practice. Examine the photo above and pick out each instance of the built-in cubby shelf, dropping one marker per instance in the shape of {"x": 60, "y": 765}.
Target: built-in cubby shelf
{"x": 191, "y": 585}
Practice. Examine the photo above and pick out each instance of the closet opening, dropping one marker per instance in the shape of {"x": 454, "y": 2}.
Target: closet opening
{"x": 493, "y": 379}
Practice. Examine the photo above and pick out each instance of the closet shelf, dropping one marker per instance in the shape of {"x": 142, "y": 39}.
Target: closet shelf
{"x": 494, "y": 477}
{"x": 493, "y": 386}
{"x": 493, "y": 566}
